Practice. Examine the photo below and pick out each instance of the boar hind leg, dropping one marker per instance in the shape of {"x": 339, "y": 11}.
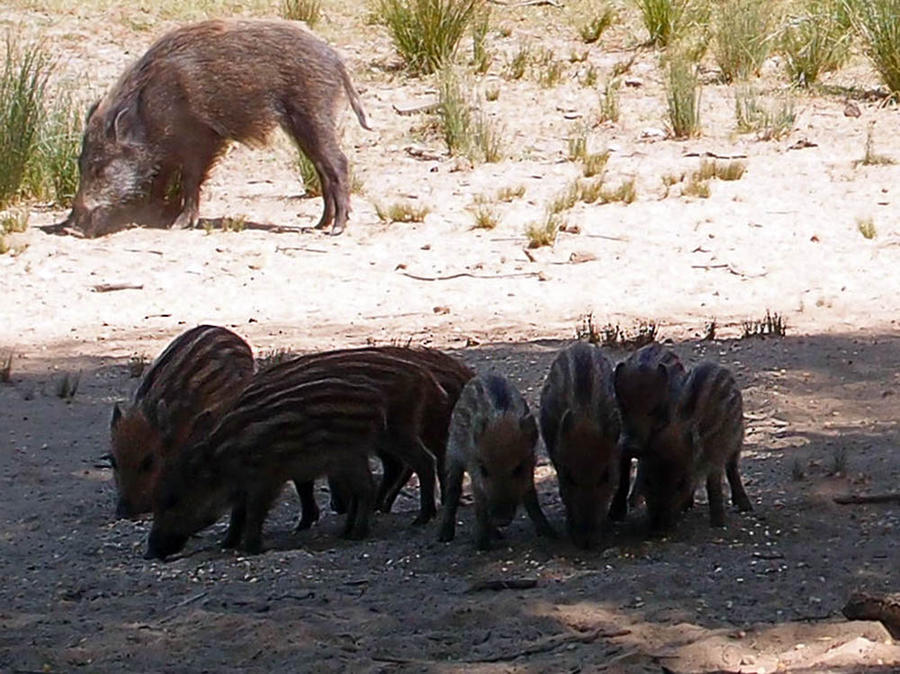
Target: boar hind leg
{"x": 738, "y": 495}
{"x": 237, "y": 523}
{"x": 258, "y": 505}
{"x": 533, "y": 508}
{"x": 411, "y": 452}
{"x": 453, "y": 484}
{"x": 714, "y": 494}
{"x": 358, "y": 480}
{"x": 396, "y": 474}
{"x": 309, "y": 509}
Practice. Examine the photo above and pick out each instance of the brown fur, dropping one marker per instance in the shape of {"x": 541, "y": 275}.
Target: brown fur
{"x": 174, "y": 111}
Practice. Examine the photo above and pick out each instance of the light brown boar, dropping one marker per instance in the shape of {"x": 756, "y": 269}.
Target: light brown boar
{"x": 492, "y": 438}
{"x": 202, "y": 370}
{"x": 700, "y": 441}
{"x": 173, "y": 112}
{"x": 580, "y": 424}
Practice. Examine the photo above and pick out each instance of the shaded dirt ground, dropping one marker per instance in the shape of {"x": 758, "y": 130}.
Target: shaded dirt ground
{"x": 762, "y": 595}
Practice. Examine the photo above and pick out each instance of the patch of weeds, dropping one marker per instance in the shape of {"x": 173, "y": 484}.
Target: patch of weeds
{"x": 427, "y": 32}
{"x": 590, "y": 190}
{"x": 67, "y": 386}
{"x": 866, "y": 227}
{"x": 597, "y": 18}
{"x": 589, "y": 76}
{"x": 878, "y": 22}
{"x": 11, "y": 222}
{"x": 683, "y": 98}
{"x": 797, "y": 472}
{"x": 466, "y": 132}
{"x": 6, "y": 368}
{"x": 544, "y": 233}
{"x": 53, "y": 171}
{"x": 709, "y": 331}
{"x": 665, "y": 20}
{"x": 593, "y": 163}
{"x": 23, "y": 87}
{"x": 872, "y": 157}
{"x": 838, "y": 462}
{"x": 309, "y": 11}
{"x": 609, "y": 102}
{"x": 136, "y": 365}
{"x": 509, "y": 193}
{"x": 272, "y": 357}
{"x": 744, "y": 34}
{"x": 357, "y": 185}
{"x": 518, "y": 65}
{"x": 696, "y": 187}
{"x": 550, "y": 69}
{"x": 492, "y": 93}
{"x": 485, "y": 217}
{"x": 578, "y": 56}
{"x": 566, "y": 199}
{"x": 312, "y": 186}
{"x": 614, "y": 337}
{"x": 586, "y": 331}
{"x": 626, "y": 192}
{"x": 773, "y": 325}
{"x": 488, "y": 139}
{"x": 623, "y": 67}
{"x": 234, "y": 223}
{"x": 481, "y": 24}
{"x": 577, "y": 144}
{"x": 815, "y": 41}
{"x": 401, "y": 211}
{"x": 730, "y": 170}
{"x": 769, "y": 122}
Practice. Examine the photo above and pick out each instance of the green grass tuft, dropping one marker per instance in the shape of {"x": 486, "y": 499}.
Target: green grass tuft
{"x": 683, "y": 98}
{"x": 309, "y": 11}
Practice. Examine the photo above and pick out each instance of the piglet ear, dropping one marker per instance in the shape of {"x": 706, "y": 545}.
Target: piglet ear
{"x": 529, "y": 428}
{"x": 116, "y": 417}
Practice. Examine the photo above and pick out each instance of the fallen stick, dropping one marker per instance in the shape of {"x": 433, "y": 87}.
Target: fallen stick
{"x": 496, "y": 585}
{"x": 190, "y": 600}
{"x": 552, "y": 643}
{"x": 465, "y": 273}
{"x": 110, "y": 287}
{"x": 859, "y": 499}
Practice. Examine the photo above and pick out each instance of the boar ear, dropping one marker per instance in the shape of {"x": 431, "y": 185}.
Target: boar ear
{"x": 528, "y": 426}
{"x": 126, "y": 126}
{"x": 662, "y": 373}
{"x": 565, "y": 422}
{"x": 116, "y": 417}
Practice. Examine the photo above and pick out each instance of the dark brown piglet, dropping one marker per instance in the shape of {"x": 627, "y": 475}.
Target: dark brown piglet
{"x": 202, "y": 370}
{"x": 492, "y": 438}
{"x": 580, "y": 424}
{"x": 284, "y": 426}
{"x": 701, "y": 441}
{"x": 646, "y": 385}
{"x": 152, "y": 140}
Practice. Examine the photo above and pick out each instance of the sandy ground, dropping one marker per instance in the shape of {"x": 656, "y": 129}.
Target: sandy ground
{"x": 764, "y": 594}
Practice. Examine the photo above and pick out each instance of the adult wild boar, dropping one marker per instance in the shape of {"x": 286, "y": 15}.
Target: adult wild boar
{"x": 151, "y": 141}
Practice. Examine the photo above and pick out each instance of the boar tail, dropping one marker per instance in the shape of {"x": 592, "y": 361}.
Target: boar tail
{"x": 355, "y": 103}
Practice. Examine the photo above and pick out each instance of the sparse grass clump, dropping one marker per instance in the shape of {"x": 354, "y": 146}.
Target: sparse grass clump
{"x": 23, "y": 86}
{"x": 136, "y": 365}
{"x": 485, "y": 216}
{"x": 56, "y": 155}
{"x": 6, "y": 368}
{"x": 593, "y": 163}
{"x": 626, "y": 192}
{"x": 549, "y": 69}
{"x": 815, "y": 41}
{"x": 594, "y": 22}
{"x": 481, "y": 24}
{"x": 697, "y": 187}
{"x": 467, "y": 132}
{"x": 609, "y": 102}
{"x": 773, "y": 325}
{"x": 544, "y": 233}
{"x": 683, "y": 98}
{"x": 871, "y": 157}
{"x": 665, "y": 20}
{"x": 577, "y": 144}
{"x": 11, "y": 222}
{"x": 723, "y": 170}
{"x": 878, "y": 21}
{"x": 427, "y": 32}
{"x": 509, "y": 193}
{"x": 614, "y": 337}
{"x": 401, "y": 211}
{"x": 309, "y": 11}
{"x": 518, "y": 64}
{"x": 744, "y": 34}
{"x": 234, "y": 223}
{"x": 67, "y": 386}
{"x": 566, "y": 199}
{"x": 770, "y": 121}
{"x": 866, "y": 227}
{"x": 272, "y": 357}
{"x": 838, "y": 462}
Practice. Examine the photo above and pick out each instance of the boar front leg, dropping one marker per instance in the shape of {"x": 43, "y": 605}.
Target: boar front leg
{"x": 714, "y": 494}
{"x": 533, "y": 508}
{"x": 453, "y": 482}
